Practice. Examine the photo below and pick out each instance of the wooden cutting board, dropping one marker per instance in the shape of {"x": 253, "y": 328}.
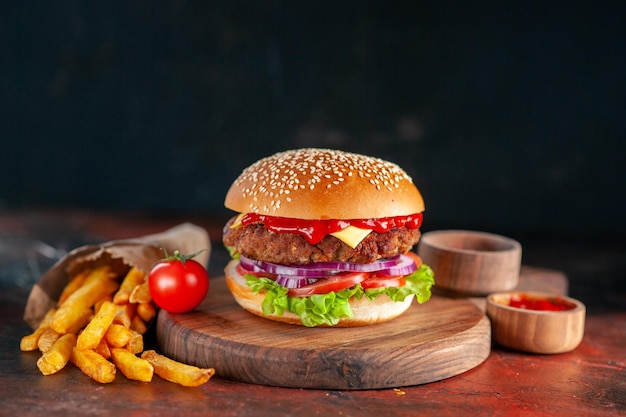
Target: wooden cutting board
{"x": 432, "y": 341}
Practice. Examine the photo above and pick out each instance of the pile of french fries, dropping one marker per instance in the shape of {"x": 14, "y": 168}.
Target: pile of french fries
{"x": 98, "y": 324}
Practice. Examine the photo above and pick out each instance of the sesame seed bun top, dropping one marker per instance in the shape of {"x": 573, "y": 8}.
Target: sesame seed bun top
{"x": 321, "y": 184}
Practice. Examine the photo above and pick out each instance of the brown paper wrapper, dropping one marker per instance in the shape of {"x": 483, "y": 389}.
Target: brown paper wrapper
{"x": 141, "y": 252}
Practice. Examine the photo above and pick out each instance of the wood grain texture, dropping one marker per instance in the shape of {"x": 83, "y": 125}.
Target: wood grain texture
{"x": 536, "y": 331}
{"x": 430, "y": 342}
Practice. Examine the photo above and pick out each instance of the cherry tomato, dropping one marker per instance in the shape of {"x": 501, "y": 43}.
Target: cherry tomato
{"x": 178, "y": 283}
{"x": 380, "y": 281}
{"x": 335, "y": 282}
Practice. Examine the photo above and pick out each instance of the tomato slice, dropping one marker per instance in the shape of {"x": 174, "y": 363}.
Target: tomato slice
{"x": 381, "y": 281}
{"x": 335, "y": 282}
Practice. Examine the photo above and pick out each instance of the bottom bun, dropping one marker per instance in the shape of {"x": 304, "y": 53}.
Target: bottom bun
{"x": 366, "y": 312}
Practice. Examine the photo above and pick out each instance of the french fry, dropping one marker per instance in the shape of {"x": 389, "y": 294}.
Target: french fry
{"x": 138, "y": 325}
{"x": 30, "y": 342}
{"x": 125, "y": 313}
{"x": 146, "y": 311}
{"x": 98, "y": 304}
{"x": 177, "y": 372}
{"x": 131, "y": 366}
{"x": 103, "y": 349}
{"x": 118, "y": 335}
{"x": 69, "y": 314}
{"x": 75, "y": 283}
{"x": 47, "y": 339}
{"x": 135, "y": 344}
{"x": 97, "y": 327}
{"x": 140, "y": 294}
{"x": 55, "y": 358}
{"x": 94, "y": 365}
{"x": 81, "y": 320}
{"x": 100, "y": 273}
{"x": 133, "y": 278}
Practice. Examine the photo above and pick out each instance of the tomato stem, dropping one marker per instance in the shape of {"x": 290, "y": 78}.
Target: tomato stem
{"x": 177, "y": 256}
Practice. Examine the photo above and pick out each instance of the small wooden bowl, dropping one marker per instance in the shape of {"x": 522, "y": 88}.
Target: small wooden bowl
{"x": 472, "y": 263}
{"x": 536, "y": 331}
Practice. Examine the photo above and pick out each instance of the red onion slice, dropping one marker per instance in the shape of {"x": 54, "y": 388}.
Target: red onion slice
{"x": 301, "y": 276}
{"x": 294, "y": 282}
{"x": 404, "y": 266}
{"x": 318, "y": 269}
{"x": 248, "y": 265}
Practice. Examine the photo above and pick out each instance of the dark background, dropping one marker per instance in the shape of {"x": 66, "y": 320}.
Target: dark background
{"x": 510, "y": 117}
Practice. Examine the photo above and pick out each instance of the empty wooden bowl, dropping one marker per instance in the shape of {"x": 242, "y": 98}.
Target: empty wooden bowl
{"x": 536, "y": 322}
{"x": 470, "y": 262}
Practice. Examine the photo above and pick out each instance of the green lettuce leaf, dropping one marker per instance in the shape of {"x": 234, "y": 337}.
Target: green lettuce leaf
{"x": 232, "y": 252}
{"x": 328, "y": 309}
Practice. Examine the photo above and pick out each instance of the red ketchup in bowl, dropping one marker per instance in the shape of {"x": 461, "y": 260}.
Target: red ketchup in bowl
{"x": 541, "y": 304}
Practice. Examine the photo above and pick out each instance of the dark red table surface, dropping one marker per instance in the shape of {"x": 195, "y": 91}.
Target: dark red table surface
{"x": 590, "y": 381}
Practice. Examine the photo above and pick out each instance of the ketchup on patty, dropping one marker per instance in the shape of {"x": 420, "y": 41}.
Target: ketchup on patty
{"x": 315, "y": 230}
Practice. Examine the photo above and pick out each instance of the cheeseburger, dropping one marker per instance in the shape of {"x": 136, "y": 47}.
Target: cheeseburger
{"x": 323, "y": 238}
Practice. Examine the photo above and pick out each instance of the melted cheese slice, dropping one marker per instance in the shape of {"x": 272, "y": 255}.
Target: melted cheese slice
{"x": 351, "y": 235}
{"x": 237, "y": 221}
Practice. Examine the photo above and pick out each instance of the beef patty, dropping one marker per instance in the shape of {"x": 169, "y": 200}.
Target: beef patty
{"x": 255, "y": 241}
